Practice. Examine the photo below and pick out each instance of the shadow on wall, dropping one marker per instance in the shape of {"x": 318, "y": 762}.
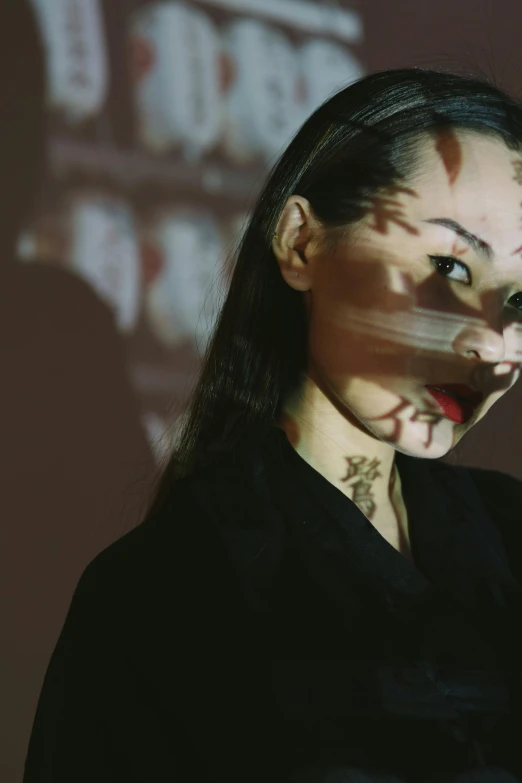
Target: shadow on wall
{"x": 75, "y": 469}
{"x": 75, "y": 465}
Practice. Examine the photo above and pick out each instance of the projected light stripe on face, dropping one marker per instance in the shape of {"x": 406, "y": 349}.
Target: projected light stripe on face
{"x": 425, "y": 329}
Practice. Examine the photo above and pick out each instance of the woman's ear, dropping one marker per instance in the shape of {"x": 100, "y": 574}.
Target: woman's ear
{"x": 291, "y": 242}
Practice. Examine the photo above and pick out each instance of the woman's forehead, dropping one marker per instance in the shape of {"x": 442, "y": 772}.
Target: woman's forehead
{"x": 450, "y": 163}
{"x": 473, "y": 181}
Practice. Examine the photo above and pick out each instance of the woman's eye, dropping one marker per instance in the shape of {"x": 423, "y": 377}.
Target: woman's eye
{"x": 445, "y": 265}
{"x": 518, "y": 301}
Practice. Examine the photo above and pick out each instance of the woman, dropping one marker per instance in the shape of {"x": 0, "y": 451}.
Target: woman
{"x": 314, "y": 595}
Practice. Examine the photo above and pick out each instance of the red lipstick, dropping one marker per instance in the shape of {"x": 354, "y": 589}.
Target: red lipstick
{"x": 457, "y": 400}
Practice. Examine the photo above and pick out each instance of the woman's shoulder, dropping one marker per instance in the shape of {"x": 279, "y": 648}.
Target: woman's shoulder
{"x": 145, "y": 555}
{"x": 165, "y": 539}
{"x": 212, "y": 525}
{"x": 501, "y": 495}
{"x": 500, "y": 491}
{"x": 170, "y": 574}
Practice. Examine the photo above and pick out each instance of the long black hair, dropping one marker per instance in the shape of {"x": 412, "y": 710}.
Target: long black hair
{"x": 360, "y": 140}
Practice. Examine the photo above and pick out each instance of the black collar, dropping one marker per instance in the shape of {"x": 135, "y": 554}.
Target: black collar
{"x": 456, "y": 547}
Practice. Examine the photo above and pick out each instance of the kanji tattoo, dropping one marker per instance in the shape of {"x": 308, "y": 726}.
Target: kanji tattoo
{"x": 365, "y": 471}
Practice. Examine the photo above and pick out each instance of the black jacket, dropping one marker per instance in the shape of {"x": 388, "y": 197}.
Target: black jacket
{"x": 259, "y": 628}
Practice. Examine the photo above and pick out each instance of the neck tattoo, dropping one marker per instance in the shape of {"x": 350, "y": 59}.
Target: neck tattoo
{"x": 362, "y": 472}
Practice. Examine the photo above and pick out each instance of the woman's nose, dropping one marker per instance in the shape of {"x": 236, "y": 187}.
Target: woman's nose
{"x": 483, "y": 344}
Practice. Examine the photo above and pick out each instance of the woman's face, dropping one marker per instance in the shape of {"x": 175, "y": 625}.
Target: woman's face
{"x": 390, "y": 312}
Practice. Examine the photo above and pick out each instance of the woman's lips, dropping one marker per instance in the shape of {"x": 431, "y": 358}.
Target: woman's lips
{"x": 455, "y": 408}
{"x": 460, "y": 390}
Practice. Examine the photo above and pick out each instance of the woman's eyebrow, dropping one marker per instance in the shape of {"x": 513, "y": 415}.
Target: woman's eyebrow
{"x": 476, "y": 243}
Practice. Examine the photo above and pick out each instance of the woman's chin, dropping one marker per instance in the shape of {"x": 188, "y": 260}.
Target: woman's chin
{"x": 427, "y": 441}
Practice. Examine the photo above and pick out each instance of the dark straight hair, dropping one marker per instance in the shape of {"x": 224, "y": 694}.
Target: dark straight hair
{"x": 360, "y": 140}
